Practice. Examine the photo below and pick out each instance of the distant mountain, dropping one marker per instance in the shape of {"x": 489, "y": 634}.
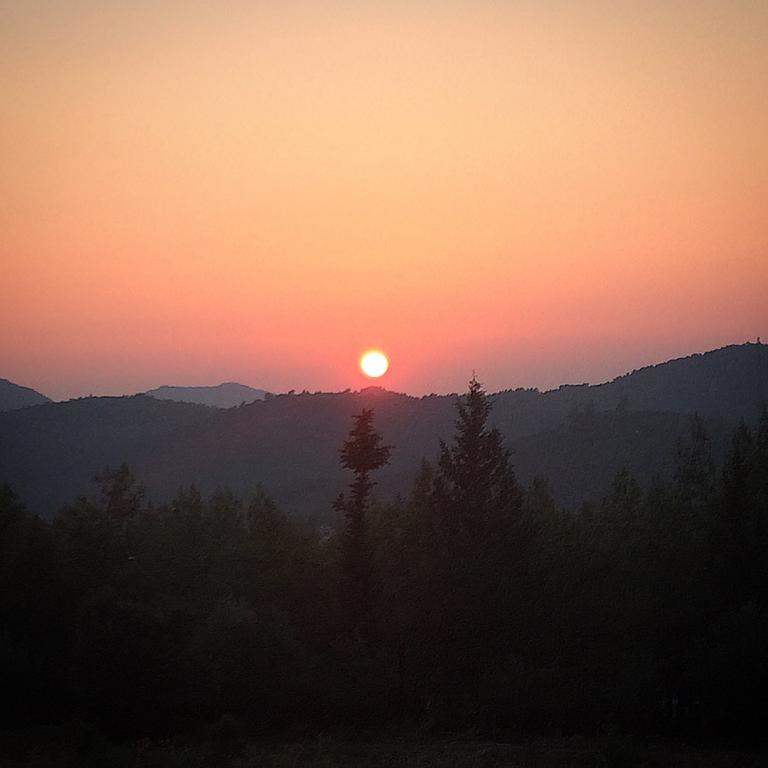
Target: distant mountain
{"x": 577, "y": 436}
{"x": 13, "y": 396}
{"x": 225, "y": 395}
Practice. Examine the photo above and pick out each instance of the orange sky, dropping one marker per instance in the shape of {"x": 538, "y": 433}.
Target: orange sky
{"x": 193, "y": 192}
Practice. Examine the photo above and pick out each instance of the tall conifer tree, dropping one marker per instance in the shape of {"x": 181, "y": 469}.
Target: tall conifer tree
{"x": 363, "y": 453}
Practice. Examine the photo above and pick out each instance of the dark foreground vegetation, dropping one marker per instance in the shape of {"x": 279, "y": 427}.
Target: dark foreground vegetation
{"x": 192, "y": 631}
{"x": 81, "y": 747}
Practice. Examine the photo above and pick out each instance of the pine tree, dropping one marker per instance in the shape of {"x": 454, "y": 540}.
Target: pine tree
{"x": 475, "y": 484}
{"x": 121, "y": 495}
{"x": 363, "y": 453}
{"x": 694, "y": 471}
{"x": 473, "y": 564}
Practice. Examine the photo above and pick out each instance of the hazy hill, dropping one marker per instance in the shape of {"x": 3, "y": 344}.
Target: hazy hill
{"x": 579, "y": 436}
{"x": 224, "y": 395}
{"x": 13, "y": 396}
{"x": 50, "y": 454}
{"x": 724, "y": 384}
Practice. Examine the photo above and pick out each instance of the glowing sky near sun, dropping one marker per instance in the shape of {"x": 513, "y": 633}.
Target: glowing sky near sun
{"x": 195, "y": 192}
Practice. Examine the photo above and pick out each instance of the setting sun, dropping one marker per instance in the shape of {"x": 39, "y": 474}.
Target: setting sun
{"x": 374, "y": 364}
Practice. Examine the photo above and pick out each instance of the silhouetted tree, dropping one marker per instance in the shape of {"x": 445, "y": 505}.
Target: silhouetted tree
{"x": 363, "y": 452}
{"x": 471, "y": 603}
{"x": 121, "y": 494}
{"x": 467, "y": 575}
{"x": 694, "y": 470}
{"x": 475, "y": 485}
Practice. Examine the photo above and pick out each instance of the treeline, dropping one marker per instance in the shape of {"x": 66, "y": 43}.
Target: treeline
{"x": 472, "y": 603}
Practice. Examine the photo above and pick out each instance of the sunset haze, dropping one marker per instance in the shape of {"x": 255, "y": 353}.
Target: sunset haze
{"x": 260, "y": 191}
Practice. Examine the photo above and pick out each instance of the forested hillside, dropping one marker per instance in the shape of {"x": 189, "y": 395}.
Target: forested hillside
{"x": 470, "y": 604}
{"x": 51, "y": 452}
{"x": 578, "y": 436}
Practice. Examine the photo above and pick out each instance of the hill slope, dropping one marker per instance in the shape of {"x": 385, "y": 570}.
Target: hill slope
{"x": 13, "y": 396}
{"x": 50, "y": 454}
{"x": 725, "y": 384}
{"x": 577, "y": 436}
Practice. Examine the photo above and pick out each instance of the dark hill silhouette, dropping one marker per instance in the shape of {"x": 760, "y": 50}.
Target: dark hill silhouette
{"x": 725, "y": 384}
{"x": 13, "y": 396}
{"x": 50, "y": 453}
{"x": 579, "y": 436}
{"x": 225, "y": 395}
{"x": 582, "y": 457}
{"x": 290, "y": 444}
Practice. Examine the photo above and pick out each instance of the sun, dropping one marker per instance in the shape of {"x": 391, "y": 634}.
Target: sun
{"x": 374, "y": 363}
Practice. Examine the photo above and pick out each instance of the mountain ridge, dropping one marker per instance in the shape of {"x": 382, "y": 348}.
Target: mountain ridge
{"x": 14, "y": 396}
{"x": 228, "y": 394}
{"x": 579, "y": 436}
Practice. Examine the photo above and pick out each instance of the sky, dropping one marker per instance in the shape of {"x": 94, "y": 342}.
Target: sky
{"x": 541, "y": 192}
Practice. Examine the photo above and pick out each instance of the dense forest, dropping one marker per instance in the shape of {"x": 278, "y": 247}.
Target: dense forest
{"x": 470, "y": 603}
